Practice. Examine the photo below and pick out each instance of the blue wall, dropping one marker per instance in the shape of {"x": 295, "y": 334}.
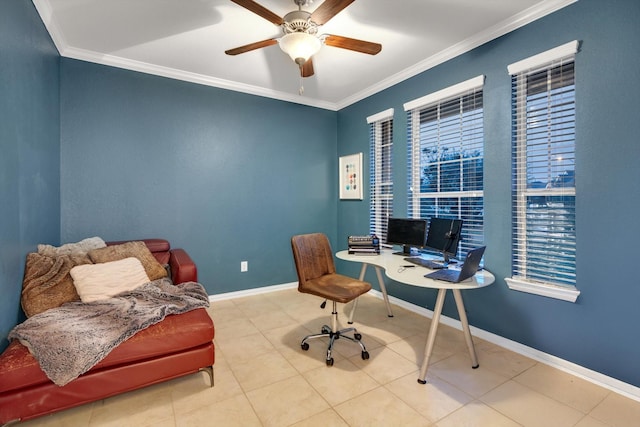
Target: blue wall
{"x": 598, "y": 331}
{"x": 29, "y": 143}
{"x": 231, "y": 177}
{"x": 227, "y": 176}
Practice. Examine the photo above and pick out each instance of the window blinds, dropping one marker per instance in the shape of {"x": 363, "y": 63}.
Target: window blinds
{"x": 543, "y": 123}
{"x": 445, "y": 159}
{"x": 381, "y": 172}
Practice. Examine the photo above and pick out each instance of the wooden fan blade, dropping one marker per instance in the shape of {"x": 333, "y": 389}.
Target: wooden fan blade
{"x": 353, "y": 44}
{"x": 251, "y": 46}
{"x": 260, "y": 11}
{"x": 328, "y": 10}
{"x": 307, "y": 68}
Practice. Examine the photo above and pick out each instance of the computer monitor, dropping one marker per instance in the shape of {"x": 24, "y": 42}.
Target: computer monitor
{"x": 444, "y": 235}
{"x": 408, "y": 232}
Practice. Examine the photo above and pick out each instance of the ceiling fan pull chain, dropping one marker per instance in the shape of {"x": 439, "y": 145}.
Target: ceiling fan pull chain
{"x": 301, "y": 89}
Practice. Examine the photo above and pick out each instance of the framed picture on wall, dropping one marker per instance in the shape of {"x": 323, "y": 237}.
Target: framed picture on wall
{"x": 351, "y": 176}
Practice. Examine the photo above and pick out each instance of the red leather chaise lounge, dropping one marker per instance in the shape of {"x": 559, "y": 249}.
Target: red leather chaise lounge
{"x": 179, "y": 345}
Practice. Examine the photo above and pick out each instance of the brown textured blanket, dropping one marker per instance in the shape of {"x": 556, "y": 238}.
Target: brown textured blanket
{"x": 69, "y": 340}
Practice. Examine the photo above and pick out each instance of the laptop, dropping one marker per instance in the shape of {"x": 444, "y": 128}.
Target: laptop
{"x": 468, "y": 269}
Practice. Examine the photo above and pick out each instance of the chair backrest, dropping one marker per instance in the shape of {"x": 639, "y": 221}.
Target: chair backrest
{"x": 313, "y": 257}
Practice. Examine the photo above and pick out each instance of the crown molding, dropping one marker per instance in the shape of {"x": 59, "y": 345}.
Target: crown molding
{"x": 517, "y": 21}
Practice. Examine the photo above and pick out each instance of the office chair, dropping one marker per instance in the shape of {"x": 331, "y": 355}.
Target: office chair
{"x": 317, "y": 276}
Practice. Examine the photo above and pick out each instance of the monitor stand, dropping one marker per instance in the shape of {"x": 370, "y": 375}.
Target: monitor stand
{"x": 407, "y": 251}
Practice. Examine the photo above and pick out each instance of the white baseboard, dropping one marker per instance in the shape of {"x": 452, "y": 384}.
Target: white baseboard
{"x": 594, "y": 377}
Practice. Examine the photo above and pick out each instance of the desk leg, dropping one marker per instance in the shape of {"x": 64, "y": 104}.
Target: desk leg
{"x": 431, "y": 339}
{"x": 384, "y": 291}
{"x": 465, "y": 328}
{"x": 363, "y": 270}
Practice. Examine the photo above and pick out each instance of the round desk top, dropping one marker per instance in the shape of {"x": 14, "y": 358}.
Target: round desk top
{"x": 414, "y": 276}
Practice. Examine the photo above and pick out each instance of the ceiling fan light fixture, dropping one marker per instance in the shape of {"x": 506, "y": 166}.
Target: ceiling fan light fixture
{"x": 300, "y": 46}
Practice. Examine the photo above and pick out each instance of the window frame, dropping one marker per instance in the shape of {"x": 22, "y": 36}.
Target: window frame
{"x": 380, "y": 172}
{"x": 520, "y": 71}
{"x": 466, "y": 198}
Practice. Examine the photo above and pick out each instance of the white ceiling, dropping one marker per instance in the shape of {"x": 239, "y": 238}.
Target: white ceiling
{"x": 186, "y": 40}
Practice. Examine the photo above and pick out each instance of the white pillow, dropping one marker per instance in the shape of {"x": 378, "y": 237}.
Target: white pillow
{"x": 78, "y": 248}
{"x": 95, "y": 282}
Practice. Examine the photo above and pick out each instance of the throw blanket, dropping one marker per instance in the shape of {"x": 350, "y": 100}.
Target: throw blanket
{"x": 69, "y": 340}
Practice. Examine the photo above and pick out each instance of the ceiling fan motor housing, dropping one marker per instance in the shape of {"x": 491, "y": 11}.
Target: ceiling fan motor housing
{"x": 299, "y": 21}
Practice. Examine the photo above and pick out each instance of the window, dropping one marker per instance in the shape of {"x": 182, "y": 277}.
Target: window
{"x": 381, "y": 172}
{"x": 543, "y": 184}
{"x": 446, "y": 158}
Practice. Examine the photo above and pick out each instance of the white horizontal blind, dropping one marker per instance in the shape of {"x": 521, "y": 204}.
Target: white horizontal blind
{"x": 381, "y": 172}
{"x": 446, "y": 159}
{"x": 544, "y": 193}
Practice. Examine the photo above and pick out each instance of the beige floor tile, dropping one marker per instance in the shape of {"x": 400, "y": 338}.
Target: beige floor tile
{"x": 255, "y": 306}
{"x": 340, "y": 382}
{"x": 530, "y": 408}
{"x": 386, "y": 332}
{"x": 501, "y": 360}
{"x": 224, "y": 315}
{"x": 412, "y": 348}
{"x": 434, "y": 400}
{"x": 477, "y": 414}
{"x": 287, "y": 297}
{"x": 568, "y": 389}
{"x": 241, "y": 349}
{"x": 241, "y": 327}
{"x": 385, "y": 365}
{"x": 233, "y": 412}
{"x": 305, "y": 361}
{"x": 263, "y": 370}
{"x": 264, "y": 378}
{"x": 379, "y": 408}
{"x": 328, "y": 418}
{"x": 286, "y": 402}
{"x": 457, "y": 370}
{"x": 74, "y": 417}
{"x": 144, "y": 407}
{"x": 288, "y": 336}
{"x": 452, "y": 339}
{"x": 272, "y": 320}
{"x": 192, "y": 392}
{"x": 618, "y": 411}
{"x": 590, "y": 422}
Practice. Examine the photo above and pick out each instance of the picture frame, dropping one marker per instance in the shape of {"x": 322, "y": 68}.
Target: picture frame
{"x": 350, "y": 177}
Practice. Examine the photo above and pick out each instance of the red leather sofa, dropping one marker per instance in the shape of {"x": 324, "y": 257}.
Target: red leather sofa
{"x": 179, "y": 345}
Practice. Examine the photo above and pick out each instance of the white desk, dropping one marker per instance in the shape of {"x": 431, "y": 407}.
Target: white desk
{"x": 415, "y": 277}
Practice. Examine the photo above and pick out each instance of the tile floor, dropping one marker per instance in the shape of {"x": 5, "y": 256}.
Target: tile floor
{"x": 263, "y": 378}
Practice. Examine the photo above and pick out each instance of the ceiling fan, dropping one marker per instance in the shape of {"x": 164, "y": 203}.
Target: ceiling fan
{"x": 300, "y": 28}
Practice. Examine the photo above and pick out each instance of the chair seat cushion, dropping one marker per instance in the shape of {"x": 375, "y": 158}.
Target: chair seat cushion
{"x": 336, "y": 287}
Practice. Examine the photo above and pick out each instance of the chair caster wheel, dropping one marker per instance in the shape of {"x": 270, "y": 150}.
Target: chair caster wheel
{"x": 325, "y": 330}
{"x": 365, "y": 355}
{"x": 357, "y": 336}
{"x": 330, "y": 361}
{"x": 422, "y": 381}
{"x": 304, "y": 346}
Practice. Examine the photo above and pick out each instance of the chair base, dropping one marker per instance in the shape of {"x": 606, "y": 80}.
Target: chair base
{"x": 334, "y": 335}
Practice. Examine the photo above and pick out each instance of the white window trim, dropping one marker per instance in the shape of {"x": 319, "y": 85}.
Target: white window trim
{"x": 382, "y": 115}
{"x": 449, "y": 92}
{"x": 564, "y": 293}
{"x": 414, "y": 149}
{"x": 544, "y": 58}
{"x": 376, "y": 120}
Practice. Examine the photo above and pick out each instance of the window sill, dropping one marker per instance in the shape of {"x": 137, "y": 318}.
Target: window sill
{"x": 564, "y": 293}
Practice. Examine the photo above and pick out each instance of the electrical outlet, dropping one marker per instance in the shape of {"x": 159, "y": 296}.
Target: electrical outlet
{"x": 244, "y": 266}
